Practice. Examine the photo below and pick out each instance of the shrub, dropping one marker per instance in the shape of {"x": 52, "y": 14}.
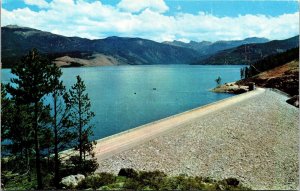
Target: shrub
{"x": 168, "y": 184}
{"x": 144, "y": 180}
{"x": 97, "y": 180}
{"x": 107, "y": 178}
{"x": 48, "y": 181}
{"x": 154, "y": 179}
{"x": 184, "y": 182}
{"x": 128, "y": 172}
{"x": 17, "y": 182}
{"x": 232, "y": 181}
{"x": 106, "y": 188}
{"x": 208, "y": 180}
{"x": 132, "y": 184}
{"x": 230, "y": 184}
{"x": 73, "y": 166}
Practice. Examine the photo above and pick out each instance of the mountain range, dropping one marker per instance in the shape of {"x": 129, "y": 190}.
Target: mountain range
{"x": 250, "y": 53}
{"x": 76, "y": 51}
{"x": 17, "y": 41}
{"x": 209, "y": 48}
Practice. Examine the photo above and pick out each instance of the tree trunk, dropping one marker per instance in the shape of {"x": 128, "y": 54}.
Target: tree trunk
{"x": 37, "y": 148}
{"x": 56, "y": 161}
{"x": 80, "y": 131}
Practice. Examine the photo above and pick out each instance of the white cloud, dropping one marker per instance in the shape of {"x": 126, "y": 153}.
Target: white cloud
{"x": 138, "y": 5}
{"x": 97, "y": 20}
{"x": 39, "y": 3}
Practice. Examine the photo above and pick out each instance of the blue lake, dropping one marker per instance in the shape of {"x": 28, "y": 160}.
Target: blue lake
{"x": 124, "y": 97}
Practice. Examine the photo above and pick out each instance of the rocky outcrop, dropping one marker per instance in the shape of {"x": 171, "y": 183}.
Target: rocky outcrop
{"x": 231, "y": 88}
{"x": 72, "y": 180}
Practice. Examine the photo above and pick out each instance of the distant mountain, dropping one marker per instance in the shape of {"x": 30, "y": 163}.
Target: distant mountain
{"x": 250, "y": 53}
{"x": 75, "y": 51}
{"x": 17, "y": 41}
{"x": 209, "y": 48}
{"x": 198, "y": 46}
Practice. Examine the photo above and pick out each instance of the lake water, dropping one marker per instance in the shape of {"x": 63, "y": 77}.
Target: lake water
{"x": 124, "y": 97}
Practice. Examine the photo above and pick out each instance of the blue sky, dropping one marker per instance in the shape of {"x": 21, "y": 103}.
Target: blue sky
{"x": 158, "y": 20}
{"x": 220, "y": 8}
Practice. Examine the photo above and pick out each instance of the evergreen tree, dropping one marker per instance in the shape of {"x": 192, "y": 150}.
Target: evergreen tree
{"x": 218, "y": 81}
{"x": 81, "y": 116}
{"x": 16, "y": 134}
{"x": 247, "y": 72}
{"x": 6, "y": 115}
{"x": 62, "y": 125}
{"x": 242, "y": 71}
{"x": 35, "y": 74}
{"x": 19, "y": 131}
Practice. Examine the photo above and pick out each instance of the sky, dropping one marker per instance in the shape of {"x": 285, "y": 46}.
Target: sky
{"x": 158, "y": 20}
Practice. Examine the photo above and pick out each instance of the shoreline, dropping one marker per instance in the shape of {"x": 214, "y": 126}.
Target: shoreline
{"x": 122, "y": 141}
{"x": 252, "y": 137}
{"x": 146, "y": 128}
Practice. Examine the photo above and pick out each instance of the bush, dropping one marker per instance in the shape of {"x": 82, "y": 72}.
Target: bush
{"x": 132, "y": 184}
{"x": 208, "y": 180}
{"x": 184, "y": 182}
{"x": 97, "y": 180}
{"x": 17, "y": 182}
{"x": 128, "y": 172}
{"x": 73, "y": 166}
{"x": 230, "y": 184}
{"x": 144, "y": 180}
{"x": 232, "y": 181}
{"x": 152, "y": 179}
{"x": 48, "y": 181}
{"x": 107, "y": 178}
{"x": 190, "y": 183}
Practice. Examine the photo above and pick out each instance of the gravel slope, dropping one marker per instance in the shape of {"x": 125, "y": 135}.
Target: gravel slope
{"x": 255, "y": 140}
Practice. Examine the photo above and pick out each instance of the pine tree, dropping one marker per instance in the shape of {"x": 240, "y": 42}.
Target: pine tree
{"x": 18, "y": 135}
{"x": 15, "y": 141}
{"x": 35, "y": 74}
{"x": 81, "y": 116}
{"x": 247, "y": 72}
{"x": 62, "y": 125}
{"x": 6, "y": 115}
{"x": 242, "y": 71}
{"x": 13, "y": 130}
{"x": 218, "y": 81}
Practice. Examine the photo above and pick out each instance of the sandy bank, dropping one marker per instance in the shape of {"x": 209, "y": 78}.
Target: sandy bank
{"x": 252, "y": 136}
